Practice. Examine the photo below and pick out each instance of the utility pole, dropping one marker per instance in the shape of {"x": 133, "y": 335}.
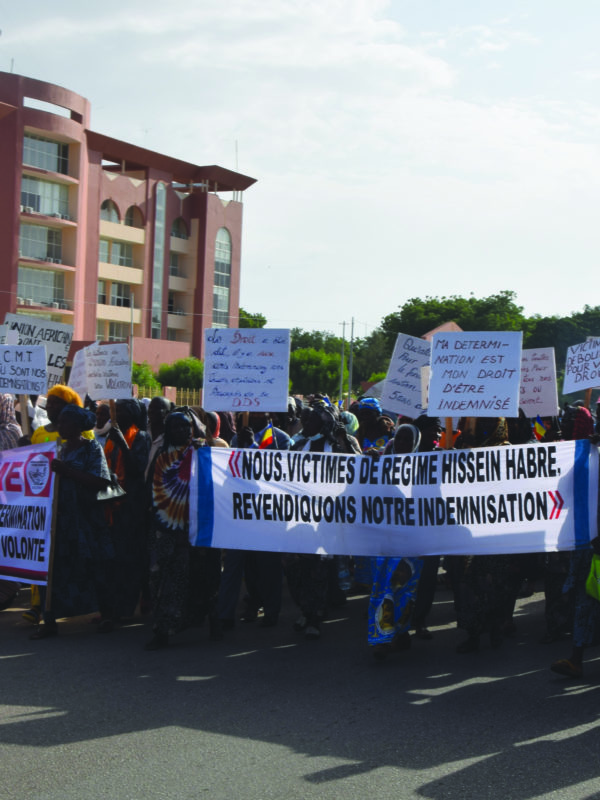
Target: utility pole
{"x": 342, "y": 367}
{"x": 350, "y": 363}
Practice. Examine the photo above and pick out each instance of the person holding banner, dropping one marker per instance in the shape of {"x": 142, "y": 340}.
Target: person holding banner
{"x": 58, "y": 397}
{"x": 313, "y": 579}
{"x": 81, "y": 579}
{"x": 183, "y": 579}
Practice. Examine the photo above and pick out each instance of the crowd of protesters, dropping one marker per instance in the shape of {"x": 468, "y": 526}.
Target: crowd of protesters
{"x": 133, "y": 552}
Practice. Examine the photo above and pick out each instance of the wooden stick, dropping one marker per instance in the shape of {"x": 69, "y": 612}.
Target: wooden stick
{"x": 112, "y": 404}
{"x": 587, "y": 402}
{"x": 25, "y": 421}
{"x": 449, "y": 433}
{"x": 48, "y": 604}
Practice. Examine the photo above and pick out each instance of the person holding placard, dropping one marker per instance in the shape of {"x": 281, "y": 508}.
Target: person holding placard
{"x": 483, "y": 587}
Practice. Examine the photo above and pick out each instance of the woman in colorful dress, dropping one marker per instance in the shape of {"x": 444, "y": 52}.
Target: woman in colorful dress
{"x": 395, "y": 580}
{"x": 183, "y": 580}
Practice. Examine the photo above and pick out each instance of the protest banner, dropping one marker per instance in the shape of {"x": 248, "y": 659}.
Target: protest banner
{"x": 514, "y": 499}
{"x": 538, "y": 392}
{"x": 103, "y": 371}
{"x": 402, "y": 387}
{"x": 23, "y": 369}
{"x": 26, "y": 493}
{"x": 55, "y": 336}
{"x": 582, "y": 367}
{"x": 475, "y": 374}
{"x": 246, "y": 369}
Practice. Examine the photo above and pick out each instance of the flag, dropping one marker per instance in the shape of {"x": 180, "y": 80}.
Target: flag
{"x": 267, "y": 437}
{"x": 538, "y": 428}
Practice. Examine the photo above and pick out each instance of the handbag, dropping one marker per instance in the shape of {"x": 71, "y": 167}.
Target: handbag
{"x": 592, "y": 584}
{"x": 113, "y": 491}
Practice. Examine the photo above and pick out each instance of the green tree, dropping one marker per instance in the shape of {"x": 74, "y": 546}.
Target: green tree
{"x": 315, "y": 371}
{"x": 248, "y": 320}
{"x": 186, "y": 373}
{"x": 498, "y": 312}
{"x": 142, "y": 375}
{"x": 317, "y": 340}
{"x": 371, "y": 354}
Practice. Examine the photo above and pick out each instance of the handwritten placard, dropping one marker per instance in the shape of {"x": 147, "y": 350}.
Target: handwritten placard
{"x": 538, "y": 394}
{"x": 23, "y": 369}
{"x": 582, "y": 367}
{"x": 246, "y": 369}
{"x": 102, "y": 371}
{"x": 402, "y": 387}
{"x": 475, "y": 374}
{"x": 55, "y": 336}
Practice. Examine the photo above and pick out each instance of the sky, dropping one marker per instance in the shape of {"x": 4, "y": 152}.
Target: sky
{"x": 402, "y": 148}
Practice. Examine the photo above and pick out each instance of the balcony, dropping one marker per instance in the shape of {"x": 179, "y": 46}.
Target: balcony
{"x": 55, "y": 219}
{"x": 118, "y": 313}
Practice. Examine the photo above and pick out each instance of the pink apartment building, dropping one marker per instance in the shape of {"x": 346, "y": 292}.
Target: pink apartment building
{"x": 117, "y": 240}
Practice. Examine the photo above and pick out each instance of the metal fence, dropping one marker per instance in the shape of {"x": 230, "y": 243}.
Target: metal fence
{"x": 181, "y": 397}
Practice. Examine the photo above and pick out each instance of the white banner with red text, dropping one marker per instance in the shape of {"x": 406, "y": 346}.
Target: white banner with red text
{"x": 514, "y": 499}
{"x": 26, "y": 493}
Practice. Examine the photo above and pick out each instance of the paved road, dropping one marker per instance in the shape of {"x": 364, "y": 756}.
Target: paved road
{"x": 265, "y": 714}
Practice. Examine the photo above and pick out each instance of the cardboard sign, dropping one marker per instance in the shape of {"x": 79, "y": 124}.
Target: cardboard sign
{"x": 475, "y": 374}
{"x": 538, "y": 393}
{"x": 582, "y": 367}
{"x": 246, "y": 369}
{"x": 102, "y": 371}
{"x": 23, "y": 369}
{"x": 54, "y": 335}
{"x": 402, "y": 387}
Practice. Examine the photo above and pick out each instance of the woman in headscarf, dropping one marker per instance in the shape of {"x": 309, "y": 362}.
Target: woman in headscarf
{"x": 483, "y": 591}
{"x": 395, "y": 580}
{"x": 59, "y": 396}
{"x": 127, "y": 449}
{"x": 82, "y": 567}
{"x": 183, "y": 579}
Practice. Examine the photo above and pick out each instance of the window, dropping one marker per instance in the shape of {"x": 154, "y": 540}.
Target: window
{"x": 133, "y": 217}
{"x": 101, "y": 292}
{"x": 118, "y": 331}
{"x": 120, "y": 294}
{"x": 222, "y": 284}
{"x": 171, "y": 304}
{"x": 121, "y": 253}
{"x": 45, "y": 197}
{"x": 100, "y": 330}
{"x": 174, "y": 264}
{"x": 44, "y": 244}
{"x": 41, "y": 286}
{"x": 46, "y": 154}
{"x": 103, "y": 251}
{"x": 171, "y": 335}
{"x": 179, "y": 229}
{"x": 158, "y": 259}
{"x": 108, "y": 211}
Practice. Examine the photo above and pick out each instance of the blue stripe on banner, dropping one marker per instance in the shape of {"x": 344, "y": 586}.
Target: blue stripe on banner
{"x": 581, "y": 479}
{"x": 205, "y": 499}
